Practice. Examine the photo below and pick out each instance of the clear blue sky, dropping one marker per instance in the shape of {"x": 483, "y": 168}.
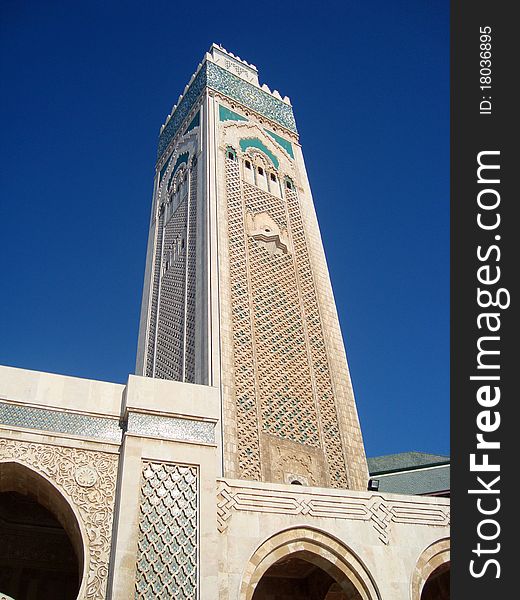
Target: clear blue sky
{"x": 85, "y": 89}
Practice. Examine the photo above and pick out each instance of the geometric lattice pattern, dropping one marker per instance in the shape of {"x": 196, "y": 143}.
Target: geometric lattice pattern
{"x": 244, "y": 364}
{"x": 320, "y": 365}
{"x": 191, "y": 278}
{"x": 286, "y": 395}
{"x": 154, "y": 305}
{"x": 171, "y": 332}
{"x": 60, "y": 421}
{"x": 282, "y": 380}
{"x": 168, "y": 533}
{"x": 173, "y": 428}
{"x": 382, "y": 513}
{"x": 170, "y": 329}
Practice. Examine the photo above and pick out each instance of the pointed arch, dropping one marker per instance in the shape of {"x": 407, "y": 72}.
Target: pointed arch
{"x": 37, "y": 488}
{"x": 258, "y": 145}
{"x": 436, "y": 556}
{"x": 240, "y": 134}
{"x": 316, "y": 547}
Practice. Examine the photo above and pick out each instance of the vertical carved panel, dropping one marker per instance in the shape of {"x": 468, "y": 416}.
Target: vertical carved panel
{"x": 167, "y": 565}
{"x": 320, "y": 365}
{"x": 170, "y": 333}
{"x": 154, "y": 309}
{"x": 191, "y": 264}
{"x": 282, "y": 360}
{"x": 243, "y": 358}
{"x": 171, "y": 337}
{"x": 283, "y": 385}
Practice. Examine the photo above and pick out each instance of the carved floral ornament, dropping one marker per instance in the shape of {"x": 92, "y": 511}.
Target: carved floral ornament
{"x": 293, "y": 467}
{"x": 86, "y": 476}
{"x": 86, "y": 479}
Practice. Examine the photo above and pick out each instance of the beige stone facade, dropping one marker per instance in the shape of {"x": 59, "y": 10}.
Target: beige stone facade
{"x": 228, "y": 532}
{"x": 232, "y": 467}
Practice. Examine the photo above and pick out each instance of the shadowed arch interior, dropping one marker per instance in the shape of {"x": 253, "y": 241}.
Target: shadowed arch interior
{"x": 431, "y": 577}
{"x": 437, "y": 586}
{"x": 306, "y": 564}
{"x": 304, "y": 576}
{"x": 41, "y": 555}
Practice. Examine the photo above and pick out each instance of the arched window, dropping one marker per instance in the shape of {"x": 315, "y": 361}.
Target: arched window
{"x": 230, "y": 153}
{"x": 261, "y": 178}
{"x": 258, "y": 171}
{"x": 248, "y": 172}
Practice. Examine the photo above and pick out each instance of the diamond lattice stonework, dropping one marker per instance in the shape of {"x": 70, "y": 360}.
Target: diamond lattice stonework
{"x": 166, "y": 564}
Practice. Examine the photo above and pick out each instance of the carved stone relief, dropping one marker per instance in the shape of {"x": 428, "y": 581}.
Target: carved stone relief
{"x": 289, "y": 464}
{"x": 381, "y": 513}
{"x": 87, "y": 480}
{"x": 167, "y": 556}
{"x": 265, "y": 231}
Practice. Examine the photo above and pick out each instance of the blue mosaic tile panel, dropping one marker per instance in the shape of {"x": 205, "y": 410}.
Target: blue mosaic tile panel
{"x": 251, "y": 96}
{"x": 60, "y": 422}
{"x": 285, "y": 144}
{"x": 167, "y": 548}
{"x": 225, "y": 114}
{"x": 182, "y": 110}
{"x": 220, "y": 80}
{"x": 171, "y": 428}
{"x": 195, "y": 122}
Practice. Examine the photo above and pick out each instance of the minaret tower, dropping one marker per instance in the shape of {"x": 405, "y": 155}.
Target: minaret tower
{"x": 237, "y": 293}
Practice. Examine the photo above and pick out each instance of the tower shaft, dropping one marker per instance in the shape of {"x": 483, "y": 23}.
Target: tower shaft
{"x": 237, "y": 293}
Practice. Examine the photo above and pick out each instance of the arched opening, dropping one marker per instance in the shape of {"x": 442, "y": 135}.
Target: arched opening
{"x": 41, "y": 552}
{"x": 298, "y": 577}
{"x": 431, "y": 577}
{"x": 437, "y": 586}
{"x": 305, "y": 564}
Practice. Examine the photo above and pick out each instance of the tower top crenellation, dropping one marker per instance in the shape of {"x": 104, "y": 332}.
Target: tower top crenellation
{"x": 219, "y": 49}
{"x": 235, "y": 65}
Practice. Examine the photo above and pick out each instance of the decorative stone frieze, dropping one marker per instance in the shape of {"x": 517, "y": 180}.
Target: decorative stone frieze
{"x": 380, "y": 512}
{"x": 60, "y": 421}
{"x": 172, "y": 428}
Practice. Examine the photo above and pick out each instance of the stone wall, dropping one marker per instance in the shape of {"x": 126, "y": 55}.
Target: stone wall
{"x": 131, "y": 473}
